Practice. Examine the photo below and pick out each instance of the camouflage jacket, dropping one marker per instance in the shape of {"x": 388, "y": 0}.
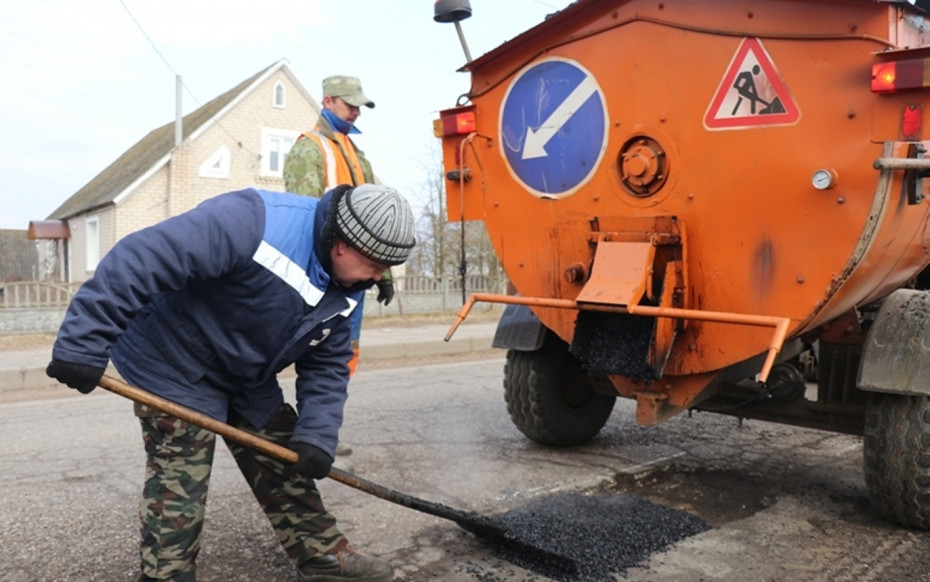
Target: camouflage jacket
{"x": 322, "y": 159}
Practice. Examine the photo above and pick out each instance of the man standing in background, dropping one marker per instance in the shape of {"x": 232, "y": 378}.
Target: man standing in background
{"x": 326, "y": 157}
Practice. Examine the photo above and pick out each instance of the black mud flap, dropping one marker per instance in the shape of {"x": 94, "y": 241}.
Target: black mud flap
{"x": 519, "y": 329}
{"x": 896, "y": 353}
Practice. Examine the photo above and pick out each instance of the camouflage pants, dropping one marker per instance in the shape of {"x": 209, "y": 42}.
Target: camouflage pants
{"x": 179, "y": 462}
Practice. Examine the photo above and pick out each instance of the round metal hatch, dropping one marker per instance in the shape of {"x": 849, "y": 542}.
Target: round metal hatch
{"x": 643, "y": 166}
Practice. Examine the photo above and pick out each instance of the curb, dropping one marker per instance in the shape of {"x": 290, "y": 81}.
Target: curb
{"x": 24, "y": 378}
{"x": 32, "y": 377}
{"x": 424, "y": 349}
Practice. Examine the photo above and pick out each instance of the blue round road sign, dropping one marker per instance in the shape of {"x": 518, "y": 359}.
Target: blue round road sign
{"x": 553, "y": 127}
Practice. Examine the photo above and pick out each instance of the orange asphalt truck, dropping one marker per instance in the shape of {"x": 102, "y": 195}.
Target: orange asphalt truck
{"x": 713, "y": 205}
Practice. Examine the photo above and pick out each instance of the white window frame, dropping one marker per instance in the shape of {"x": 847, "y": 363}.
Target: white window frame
{"x": 276, "y": 143}
{"x": 279, "y": 95}
{"x": 217, "y": 165}
{"x": 91, "y": 243}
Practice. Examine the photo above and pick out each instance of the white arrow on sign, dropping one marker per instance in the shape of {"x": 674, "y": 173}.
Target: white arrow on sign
{"x": 535, "y": 144}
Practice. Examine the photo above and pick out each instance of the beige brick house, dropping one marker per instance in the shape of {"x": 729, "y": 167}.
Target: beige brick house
{"x": 238, "y": 139}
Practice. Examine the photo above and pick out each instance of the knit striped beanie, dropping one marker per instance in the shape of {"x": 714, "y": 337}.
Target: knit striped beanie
{"x": 377, "y": 222}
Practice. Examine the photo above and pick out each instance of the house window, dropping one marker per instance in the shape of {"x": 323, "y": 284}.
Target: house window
{"x": 217, "y": 165}
{"x": 275, "y": 145}
{"x": 279, "y": 94}
{"x": 92, "y": 244}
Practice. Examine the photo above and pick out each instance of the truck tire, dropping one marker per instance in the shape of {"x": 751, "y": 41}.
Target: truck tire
{"x": 550, "y": 398}
{"x": 896, "y": 452}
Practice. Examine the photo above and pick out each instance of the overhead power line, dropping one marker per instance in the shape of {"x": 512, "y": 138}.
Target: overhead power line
{"x": 177, "y": 76}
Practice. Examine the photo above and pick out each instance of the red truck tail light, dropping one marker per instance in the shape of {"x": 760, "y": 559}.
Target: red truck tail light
{"x": 455, "y": 123}
{"x": 894, "y": 76}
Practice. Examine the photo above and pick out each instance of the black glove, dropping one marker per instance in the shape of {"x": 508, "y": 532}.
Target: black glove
{"x": 78, "y": 376}
{"x": 385, "y": 290}
{"x": 312, "y": 462}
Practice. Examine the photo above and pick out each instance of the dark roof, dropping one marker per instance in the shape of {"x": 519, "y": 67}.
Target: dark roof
{"x": 20, "y": 258}
{"x": 103, "y": 189}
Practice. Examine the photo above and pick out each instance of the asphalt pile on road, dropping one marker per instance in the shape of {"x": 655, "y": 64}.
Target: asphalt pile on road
{"x": 598, "y": 534}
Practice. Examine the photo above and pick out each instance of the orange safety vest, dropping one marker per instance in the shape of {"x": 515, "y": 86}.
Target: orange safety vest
{"x": 343, "y": 168}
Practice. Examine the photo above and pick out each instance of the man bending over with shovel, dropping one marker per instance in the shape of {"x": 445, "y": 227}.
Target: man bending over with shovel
{"x": 204, "y": 309}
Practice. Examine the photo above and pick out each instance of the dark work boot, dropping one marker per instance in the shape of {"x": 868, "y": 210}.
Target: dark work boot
{"x": 345, "y": 565}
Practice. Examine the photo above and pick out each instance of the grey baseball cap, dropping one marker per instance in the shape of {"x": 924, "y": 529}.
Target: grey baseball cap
{"x": 349, "y": 89}
{"x": 377, "y": 222}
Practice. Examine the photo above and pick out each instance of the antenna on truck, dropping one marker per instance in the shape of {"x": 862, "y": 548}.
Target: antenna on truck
{"x": 454, "y": 11}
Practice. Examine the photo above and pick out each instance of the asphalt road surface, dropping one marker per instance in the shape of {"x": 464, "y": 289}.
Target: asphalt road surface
{"x": 779, "y": 503}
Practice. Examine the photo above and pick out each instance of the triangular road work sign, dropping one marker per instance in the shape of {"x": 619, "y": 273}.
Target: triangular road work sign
{"x": 752, "y": 93}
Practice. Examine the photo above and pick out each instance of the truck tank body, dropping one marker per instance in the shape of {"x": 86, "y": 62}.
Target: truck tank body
{"x": 718, "y": 161}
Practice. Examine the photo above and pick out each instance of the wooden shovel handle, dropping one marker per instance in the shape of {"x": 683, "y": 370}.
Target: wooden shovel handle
{"x": 283, "y": 453}
{"x": 483, "y": 527}
{"x": 197, "y": 418}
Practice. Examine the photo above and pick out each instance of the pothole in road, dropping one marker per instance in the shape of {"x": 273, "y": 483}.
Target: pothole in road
{"x": 717, "y": 497}
{"x": 607, "y": 531}
{"x": 571, "y": 536}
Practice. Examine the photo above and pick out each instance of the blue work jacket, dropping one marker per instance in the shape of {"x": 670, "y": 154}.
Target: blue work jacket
{"x": 205, "y": 309}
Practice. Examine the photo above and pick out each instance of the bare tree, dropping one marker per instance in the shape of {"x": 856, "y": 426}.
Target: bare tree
{"x": 431, "y": 251}
{"x": 454, "y": 249}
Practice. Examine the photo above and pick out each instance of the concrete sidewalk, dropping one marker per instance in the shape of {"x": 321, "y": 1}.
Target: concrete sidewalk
{"x": 22, "y": 369}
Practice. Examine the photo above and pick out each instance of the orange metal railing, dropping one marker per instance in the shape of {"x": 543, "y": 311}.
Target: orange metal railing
{"x": 779, "y": 324}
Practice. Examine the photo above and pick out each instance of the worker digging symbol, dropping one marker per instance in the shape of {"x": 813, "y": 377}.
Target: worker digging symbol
{"x": 751, "y": 93}
{"x": 746, "y": 87}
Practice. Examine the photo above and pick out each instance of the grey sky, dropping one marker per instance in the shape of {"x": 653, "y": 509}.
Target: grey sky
{"x": 79, "y": 82}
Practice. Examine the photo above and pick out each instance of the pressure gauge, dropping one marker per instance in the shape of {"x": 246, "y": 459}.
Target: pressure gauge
{"x": 824, "y": 179}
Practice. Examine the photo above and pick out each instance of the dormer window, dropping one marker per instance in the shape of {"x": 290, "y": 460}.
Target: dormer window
{"x": 279, "y": 95}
